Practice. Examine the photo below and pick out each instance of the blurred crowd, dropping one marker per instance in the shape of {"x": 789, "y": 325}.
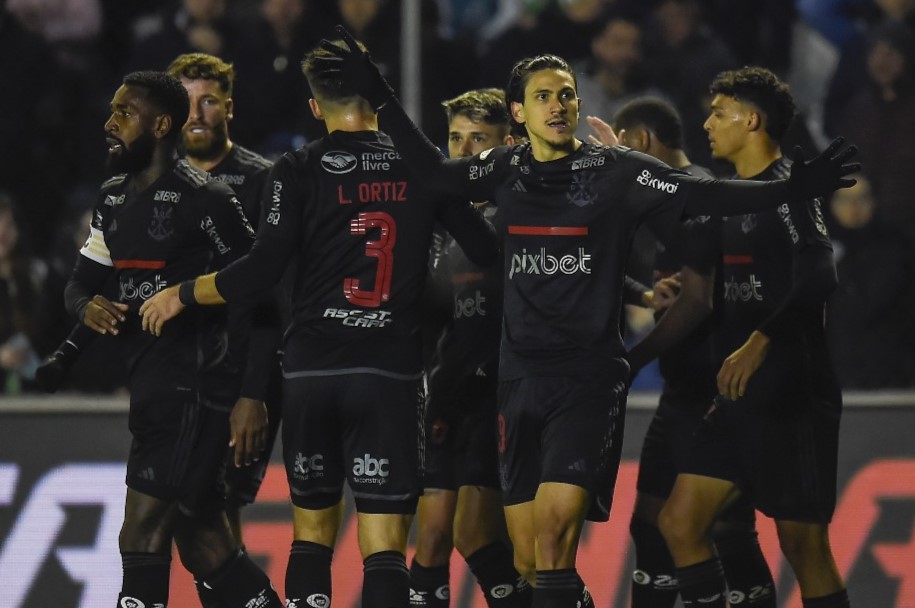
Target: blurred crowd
{"x": 850, "y": 63}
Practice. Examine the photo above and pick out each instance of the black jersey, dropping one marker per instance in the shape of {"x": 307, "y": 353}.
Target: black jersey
{"x": 471, "y": 341}
{"x": 568, "y": 227}
{"x": 689, "y": 367}
{"x": 359, "y": 227}
{"x": 758, "y": 278}
{"x": 246, "y": 173}
{"x": 179, "y": 227}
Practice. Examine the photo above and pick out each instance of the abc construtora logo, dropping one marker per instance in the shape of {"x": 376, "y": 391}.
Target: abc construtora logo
{"x": 338, "y": 162}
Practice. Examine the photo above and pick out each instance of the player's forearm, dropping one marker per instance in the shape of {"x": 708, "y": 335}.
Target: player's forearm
{"x": 813, "y": 279}
{"x": 724, "y": 198}
{"x": 86, "y": 280}
{"x": 634, "y": 292}
{"x": 255, "y": 273}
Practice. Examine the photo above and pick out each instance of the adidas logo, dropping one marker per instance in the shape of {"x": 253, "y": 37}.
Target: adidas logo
{"x": 578, "y": 465}
{"x": 519, "y": 187}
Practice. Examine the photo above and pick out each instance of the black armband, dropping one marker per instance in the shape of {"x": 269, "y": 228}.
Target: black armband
{"x": 186, "y": 293}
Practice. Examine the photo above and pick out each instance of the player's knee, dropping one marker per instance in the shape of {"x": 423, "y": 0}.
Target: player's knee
{"x": 677, "y": 529}
{"x": 526, "y": 566}
{"x": 146, "y": 530}
{"x": 434, "y": 544}
{"x": 801, "y": 543}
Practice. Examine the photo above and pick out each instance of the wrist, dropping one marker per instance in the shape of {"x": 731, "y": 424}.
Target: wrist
{"x": 186, "y": 293}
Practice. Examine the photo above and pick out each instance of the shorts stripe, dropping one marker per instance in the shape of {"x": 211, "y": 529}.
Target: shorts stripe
{"x": 351, "y": 370}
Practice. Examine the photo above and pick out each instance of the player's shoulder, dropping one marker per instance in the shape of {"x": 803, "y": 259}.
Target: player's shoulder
{"x": 190, "y": 176}
{"x": 113, "y": 183}
{"x": 250, "y": 160}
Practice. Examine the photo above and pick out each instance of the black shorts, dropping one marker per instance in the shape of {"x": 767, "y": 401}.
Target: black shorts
{"x": 461, "y": 437}
{"x": 178, "y": 450}
{"x": 243, "y": 483}
{"x": 364, "y": 428}
{"x": 562, "y": 429}
{"x": 780, "y": 449}
{"x": 667, "y": 445}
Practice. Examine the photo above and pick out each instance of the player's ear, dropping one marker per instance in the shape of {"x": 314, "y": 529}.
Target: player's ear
{"x": 163, "y": 125}
{"x": 315, "y": 108}
{"x": 754, "y": 121}
{"x": 518, "y": 112}
{"x": 508, "y": 140}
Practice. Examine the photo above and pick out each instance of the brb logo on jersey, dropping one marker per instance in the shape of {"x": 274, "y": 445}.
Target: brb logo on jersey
{"x": 543, "y": 263}
{"x": 645, "y": 178}
{"x": 338, "y": 162}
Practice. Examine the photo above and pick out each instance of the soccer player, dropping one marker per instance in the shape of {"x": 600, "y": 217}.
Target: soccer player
{"x": 772, "y": 435}
{"x": 683, "y": 337}
{"x": 159, "y": 221}
{"x": 207, "y": 146}
{"x": 359, "y": 226}
{"x": 569, "y": 211}
{"x": 461, "y": 505}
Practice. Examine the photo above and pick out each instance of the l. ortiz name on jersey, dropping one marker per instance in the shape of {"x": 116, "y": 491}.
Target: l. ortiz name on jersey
{"x": 568, "y": 226}
{"x": 181, "y": 226}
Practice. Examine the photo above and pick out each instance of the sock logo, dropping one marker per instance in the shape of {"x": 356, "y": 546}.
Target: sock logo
{"x": 640, "y": 577}
{"x": 443, "y": 592}
{"x": 317, "y": 600}
{"x": 709, "y": 600}
{"x": 131, "y": 602}
{"x": 417, "y": 598}
{"x": 736, "y": 597}
{"x": 293, "y": 602}
{"x": 501, "y": 591}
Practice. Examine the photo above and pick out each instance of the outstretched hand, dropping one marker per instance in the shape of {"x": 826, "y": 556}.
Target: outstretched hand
{"x": 355, "y": 65}
{"x": 823, "y": 174}
{"x": 160, "y": 308}
{"x": 603, "y": 132}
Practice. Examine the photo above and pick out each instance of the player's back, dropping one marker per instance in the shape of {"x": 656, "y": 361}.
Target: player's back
{"x": 365, "y": 227}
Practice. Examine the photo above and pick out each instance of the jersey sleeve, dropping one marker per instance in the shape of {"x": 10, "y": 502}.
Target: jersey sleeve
{"x": 474, "y": 233}
{"x": 813, "y": 271}
{"x": 282, "y": 204}
{"x": 223, "y": 221}
{"x": 474, "y": 178}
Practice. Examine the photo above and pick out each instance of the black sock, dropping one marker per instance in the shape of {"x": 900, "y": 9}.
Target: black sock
{"x": 386, "y": 582}
{"x": 239, "y": 582}
{"x": 429, "y": 587}
{"x": 308, "y": 578}
{"x": 208, "y": 597}
{"x": 145, "y": 578}
{"x": 557, "y": 589}
{"x": 749, "y": 579}
{"x": 494, "y": 568}
{"x": 654, "y": 581}
{"x": 703, "y": 585}
{"x": 839, "y": 599}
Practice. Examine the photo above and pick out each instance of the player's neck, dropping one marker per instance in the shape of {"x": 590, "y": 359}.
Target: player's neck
{"x": 675, "y": 158}
{"x": 207, "y": 164}
{"x": 351, "y": 119}
{"x": 162, "y": 160}
{"x": 544, "y": 152}
{"x": 754, "y": 159}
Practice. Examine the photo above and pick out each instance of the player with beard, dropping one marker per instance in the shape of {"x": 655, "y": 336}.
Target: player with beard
{"x": 682, "y": 340}
{"x": 160, "y": 221}
{"x": 568, "y": 211}
{"x": 461, "y": 502}
{"x": 359, "y": 226}
{"x": 772, "y": 435}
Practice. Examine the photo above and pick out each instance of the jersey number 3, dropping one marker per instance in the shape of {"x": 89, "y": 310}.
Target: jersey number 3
{"x": 382, "y": 249}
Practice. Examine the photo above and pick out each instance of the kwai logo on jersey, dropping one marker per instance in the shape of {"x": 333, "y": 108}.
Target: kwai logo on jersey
{"x": 743, "y": 291}
{"x": 232, "y": 180}
{"x": 542, "y": 263}
{"x": 784, "y": 213}
{"x": 162, "y": 226}
{"x": 338, "y": 162}
{"x": 143, "y": 291}
{"x": 481, "y": 171}
{"x": 645, "y": 178}
{"x": 114, "y": 201}
{"x": 581, "y": 192}
{"x": 369, "y": 469}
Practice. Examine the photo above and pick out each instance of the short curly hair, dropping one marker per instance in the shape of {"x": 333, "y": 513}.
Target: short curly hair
{"x": 201, "y": 66}
{"x": 166, "y": 93}
{"x": 763, "y": 89}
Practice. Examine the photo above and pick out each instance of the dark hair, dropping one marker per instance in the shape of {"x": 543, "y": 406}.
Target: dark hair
{"x": 764, "y": 90}
{"x": 201, "y": 66}
{"x": 521, "y": 73}
{"x": 326, "y": 83}
{"x": 479, "y": 105}
{"x": 656, "y": 115}
{"x": 166, "y": 93}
